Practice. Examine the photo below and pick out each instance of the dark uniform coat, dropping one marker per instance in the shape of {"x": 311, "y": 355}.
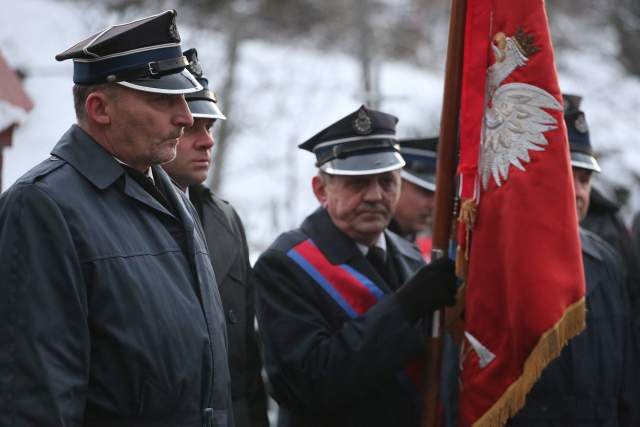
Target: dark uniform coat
{"x": 635, "y": 231}
{"x": 595, "y": 380}
{"x": 110, "y": 314}
{"x": 326, "y": 368}
{"x": 604, "y": 220}
{"x": 230, "y": 259}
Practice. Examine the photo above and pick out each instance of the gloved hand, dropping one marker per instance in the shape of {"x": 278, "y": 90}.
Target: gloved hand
{"x": 431, "y": 287}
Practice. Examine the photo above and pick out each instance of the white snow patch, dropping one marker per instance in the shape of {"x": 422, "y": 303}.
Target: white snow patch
{"x": 10, "y": 115}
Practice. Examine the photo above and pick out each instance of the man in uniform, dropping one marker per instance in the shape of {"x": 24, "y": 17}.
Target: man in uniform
{"x": 595, "y": 380}
{"x": 339, "y": 306}
{"x": 228, "y": 251}
{"x": 414, "y": 211}
{"x": 110, "y": 313}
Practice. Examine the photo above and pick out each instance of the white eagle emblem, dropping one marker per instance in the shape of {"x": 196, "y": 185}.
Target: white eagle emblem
{"x": 514, "y": 120}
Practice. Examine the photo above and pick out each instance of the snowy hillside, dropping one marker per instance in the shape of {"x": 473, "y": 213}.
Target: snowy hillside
{"x": 284, "y": 95}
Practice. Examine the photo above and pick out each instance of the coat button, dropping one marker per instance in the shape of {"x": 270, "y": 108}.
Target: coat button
{"x": 208, "y": 417}
{"x": 232, "y": 317}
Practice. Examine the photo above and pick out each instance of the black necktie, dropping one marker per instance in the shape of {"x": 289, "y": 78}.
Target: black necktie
{"x": 148, "y": 184}
{"x": 377, "y": 258}
{"x": 383, "y": 264}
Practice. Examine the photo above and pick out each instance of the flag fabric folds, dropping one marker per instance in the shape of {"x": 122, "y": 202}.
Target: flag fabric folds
{"x": 524, "y": 276}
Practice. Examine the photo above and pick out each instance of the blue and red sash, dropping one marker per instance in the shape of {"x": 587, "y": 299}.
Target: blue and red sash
{"x": 353, "y": 291}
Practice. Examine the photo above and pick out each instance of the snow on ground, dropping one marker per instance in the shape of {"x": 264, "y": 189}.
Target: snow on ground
{"x": 284, "y": 95}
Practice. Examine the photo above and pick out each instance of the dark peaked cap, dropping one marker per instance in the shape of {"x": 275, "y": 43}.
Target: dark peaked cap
{"x": 144, "y": 54}
{"x": 204, "y": 103}
{"x": 582, "y": 154}
{"x": 421, "y": 157}
{"x": 361, "y": 143}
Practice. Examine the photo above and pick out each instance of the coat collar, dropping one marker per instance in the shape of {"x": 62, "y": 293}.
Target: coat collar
{"x": 88, "y": 157}
{"x": 592, "y": 270}
{"x": 589, "y": 244}
{"x": 334, "y": 244}
{"x": 403, "y": 246}
{"x": 337, "y": 247}
{"x": 203, "y": 194}
{"x": 177, "y": 198}
{"x": 340, "y": 249}
{"x": 223, "y": 243}
{"x": 100, "y": 168}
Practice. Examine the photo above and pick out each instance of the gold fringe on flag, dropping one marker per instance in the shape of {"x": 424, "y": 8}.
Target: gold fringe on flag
{"x": 548, "y": 348}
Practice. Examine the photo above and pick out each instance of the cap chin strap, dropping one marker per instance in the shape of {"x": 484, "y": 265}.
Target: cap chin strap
{"x": 203, "y": 95}
{"x": 340, "y": 151}
{"x": 153, "y": 69}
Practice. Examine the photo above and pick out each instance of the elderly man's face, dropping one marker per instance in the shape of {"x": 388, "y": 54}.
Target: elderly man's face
{"x": 415, "y": 208}
{"x": 360, "y": 206}
{"x": 193, "y": 154}
{"x": 582, "y": 187}
{"x": 145, "y": 127}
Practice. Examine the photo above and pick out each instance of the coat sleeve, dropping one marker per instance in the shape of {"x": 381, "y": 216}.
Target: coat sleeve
{"x": 256, "y": 394}
{"x": 44, "y": 362}
{"x": 310, "y": 361}
{"x": 628, "y": 407}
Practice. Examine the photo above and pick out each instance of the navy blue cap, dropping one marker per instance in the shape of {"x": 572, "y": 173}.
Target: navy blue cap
{"x": 361, "y": 143}
{"x": 582, "y": 154}
{"x": 144, "y": 54}
{"x": 204, "y": 103}
{"x": 421, "y": 156}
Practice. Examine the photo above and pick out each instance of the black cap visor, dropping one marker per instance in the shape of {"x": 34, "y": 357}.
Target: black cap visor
{"x": 172, "y": 84}
{"x": 584, "y": 161}
{"x": 423, "y": 180}
{"x": 205, "y": 109}
{"x": 366, "y": 163}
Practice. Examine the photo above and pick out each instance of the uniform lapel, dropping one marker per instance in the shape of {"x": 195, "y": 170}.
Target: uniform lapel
{"x": 178, "y": 201}
{"x": 136, "y": 192}
{"x": 217, "y": 229}
{"x": 589, "y": 249}
{"x": 407, "y": 259}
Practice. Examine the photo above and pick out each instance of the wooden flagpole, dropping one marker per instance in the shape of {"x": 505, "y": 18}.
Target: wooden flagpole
{"x": 445, "y": 192}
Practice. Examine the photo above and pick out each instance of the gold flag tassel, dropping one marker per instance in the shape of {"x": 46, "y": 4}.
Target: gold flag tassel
{"x": 454, "y": 319}
{"x": 468, "y": 212}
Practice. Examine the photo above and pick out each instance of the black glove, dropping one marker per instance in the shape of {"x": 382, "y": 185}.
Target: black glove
{"x": 431, "y": 287}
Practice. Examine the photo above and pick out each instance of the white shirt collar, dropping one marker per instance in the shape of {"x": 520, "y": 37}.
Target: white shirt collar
{"x": 381, "y": 243}
{"x": 148, "y": 173}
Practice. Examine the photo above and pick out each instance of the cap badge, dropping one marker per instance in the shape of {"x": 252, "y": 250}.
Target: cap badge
{"x": 581, "y": 124}
{"x": 362, "y": 123}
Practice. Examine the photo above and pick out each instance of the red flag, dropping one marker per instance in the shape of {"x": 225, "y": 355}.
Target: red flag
{"x": 525, "y": 280}
{"x": 425, "y": 244}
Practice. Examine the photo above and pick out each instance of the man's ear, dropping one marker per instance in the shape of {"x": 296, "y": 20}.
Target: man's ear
{"x": 97, "y": 107}
{"x": 319, "y": 185}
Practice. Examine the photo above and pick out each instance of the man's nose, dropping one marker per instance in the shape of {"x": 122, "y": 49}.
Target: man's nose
{"x": 374, "y": 192}
{"x": 181, "y": 114}
{"x": 205, "y": 139}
